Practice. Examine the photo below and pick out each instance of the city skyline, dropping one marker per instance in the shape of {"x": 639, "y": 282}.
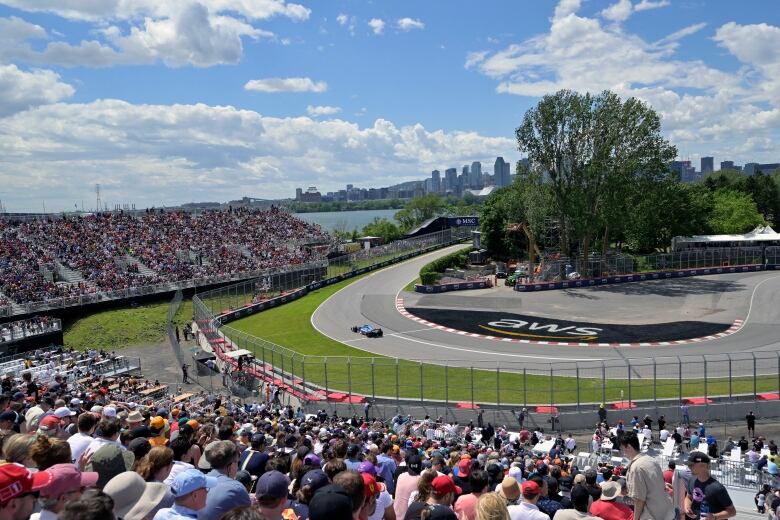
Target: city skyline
{"x": 163, "y": 103}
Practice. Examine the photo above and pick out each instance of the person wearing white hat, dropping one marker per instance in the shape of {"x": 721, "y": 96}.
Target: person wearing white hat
{"x": 607, "y": 506}
{"x": 133, "y": 498}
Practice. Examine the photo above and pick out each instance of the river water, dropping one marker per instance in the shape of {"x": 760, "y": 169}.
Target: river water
{"x": 348, "y": 220}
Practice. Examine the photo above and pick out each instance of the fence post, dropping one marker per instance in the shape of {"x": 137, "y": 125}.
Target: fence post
{"x": 603, "y": 383}
{"x": 447, "y": 386}
{"x": 706, "y": 406}
{"x": 778, "y": 371}
{"x": 373, "y": 380}
{"x": 628, "y": 366}
{"x": 755, "y": 376}
{"x": 325, "y": 358}
{"x": 655, "y": 386}
{"x": 679, "y": 378}
{"x": 422, "y": 393}
{"x": 471, "y": 374}
{"x": 729, "y": 356}
{"x": 525, "y": 388}
{"x": 303, "y": 375}
{"x": 578, "y": 387}
{"x": 349, "y": 376}
{"x": 397, "y": 384}
{"x": 552, "y": 388}
{"x": 498, "y": 387}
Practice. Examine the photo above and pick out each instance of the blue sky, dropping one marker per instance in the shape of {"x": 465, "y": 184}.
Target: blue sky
{"x": 170, "y": 102}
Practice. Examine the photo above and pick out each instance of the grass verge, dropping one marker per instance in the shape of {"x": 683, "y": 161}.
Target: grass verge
{"x": 336, "y": 366}
{"x": 124, "y": 327}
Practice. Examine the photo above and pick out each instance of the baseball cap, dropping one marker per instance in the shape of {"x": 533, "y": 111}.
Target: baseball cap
{"x": 67, "y": 478}
{"x": 75, "y": 402}
{"x": 203, "y": 463}
{"x": 49, "y": 422}
{"x": 464, "y": 468}
{"x": 258, "y": 438}
{"x": 190, "y": 480}
{"x": 109, "y": 411}
{"x": 109, "y": 461}
{"x": 370, "y": 486}
{"x": 330, "y": 503}
{"x": 272, "y": 484}
{"x": 367, "y": 467}
{"x": 414, "y": 463}
{"x": 443, "y": 484}
{"x": 312, "y": 460}
{"x": 530, "y": 487}
{"x": 157, "y": 422}
{"x": 315, "y": 478}
{"x": 580, "y": 497}
{"x": 697, "y": 456}
{"x": 64, "y": 411}
{"x": 8, "y": 416}
{"x": 16, "y": 480}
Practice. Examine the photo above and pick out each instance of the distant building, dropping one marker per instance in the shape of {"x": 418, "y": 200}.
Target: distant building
{"x": 767, "y": 168}
{"x": 436, "y": 181}
{"x": 729, "y": 165}
{"x": 475, "y": 175}
{"x": 707, "y": 165}
{"x": 685, "y": 172}
{"x": 298, "y": 193}
{"x": 311, "y": 195}
{"x": 450, "y": 180}
{"x": 501, "y": 175}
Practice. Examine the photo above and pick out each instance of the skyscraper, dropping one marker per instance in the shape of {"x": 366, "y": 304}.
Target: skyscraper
{"x": 727, "y": 165}
{"x": 451, "y": 180}
{"x": 475, "y": 176}
{"x": 707, "y": 165}
{"x": 501, "y": 173}
{"x": 436, "y": 181}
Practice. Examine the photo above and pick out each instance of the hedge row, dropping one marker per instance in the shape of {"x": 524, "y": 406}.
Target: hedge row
{"x": 431, "y": 271}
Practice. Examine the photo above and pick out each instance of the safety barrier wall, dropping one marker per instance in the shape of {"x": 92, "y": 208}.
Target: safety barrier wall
{"x": 447, "y": 287}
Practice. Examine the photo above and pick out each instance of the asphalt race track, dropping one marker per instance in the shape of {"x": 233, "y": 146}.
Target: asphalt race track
{"x": 712, "y": 303}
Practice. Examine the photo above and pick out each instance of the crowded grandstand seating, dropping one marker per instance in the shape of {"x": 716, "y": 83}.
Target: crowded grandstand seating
{"x": 117, "y": 251}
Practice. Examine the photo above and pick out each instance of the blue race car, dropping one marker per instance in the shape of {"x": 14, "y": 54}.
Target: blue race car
{"x": 368, "y": 330}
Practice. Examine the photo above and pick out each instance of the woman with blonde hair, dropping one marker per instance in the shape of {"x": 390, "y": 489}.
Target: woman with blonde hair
{"x": 17, "y": 449}
{"x": 491, "y": 506}
{"x": 156, "y": 465}
{"x": 46, "y": 452}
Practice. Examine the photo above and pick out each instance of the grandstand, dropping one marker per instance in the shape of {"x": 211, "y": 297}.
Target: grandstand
{"x": 55, "y": 262}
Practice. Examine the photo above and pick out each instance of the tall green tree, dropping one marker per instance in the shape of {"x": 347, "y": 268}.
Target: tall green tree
{"x": 733, "y": 212}
{"x": 420, "y": 209}
{"x": 381, "y": 227}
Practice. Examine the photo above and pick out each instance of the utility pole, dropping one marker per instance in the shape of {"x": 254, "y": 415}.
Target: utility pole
{"x": 97, "y": 198}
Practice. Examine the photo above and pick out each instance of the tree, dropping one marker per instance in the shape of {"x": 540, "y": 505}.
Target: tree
{"x": 381, "y": 227}
{"x": 594, "y": 151}
{"x": 420, "y": 209}
{"x": 733, "y": 212}
{"x": 764, "y": 192}
{"x": 502, "y": 207}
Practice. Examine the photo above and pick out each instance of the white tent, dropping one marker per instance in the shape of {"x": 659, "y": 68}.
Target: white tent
{"x": 235, "y": 354}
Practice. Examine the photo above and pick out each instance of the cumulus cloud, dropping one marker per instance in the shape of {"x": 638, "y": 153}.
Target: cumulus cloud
{"x": 623, "y": 9}
{"x": 699, "y": 104}
{"x": 322, "y": 110}
{"x": 286, "y": 85}
{"x": 20, "y": 90}
{"x": 185, "y": 32}
{"x": 408, "y": 24}
{"x": 146, "y": 153}
{"x": 377, "y": 25}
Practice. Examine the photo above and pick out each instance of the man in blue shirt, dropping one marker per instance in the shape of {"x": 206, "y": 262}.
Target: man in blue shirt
{"x": 189, "y": 489}
{"x": 227, "y": 493}
{"x": 386, "y": 467}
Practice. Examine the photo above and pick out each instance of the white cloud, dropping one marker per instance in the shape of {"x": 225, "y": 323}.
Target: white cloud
{"x": 350, "y": 22}
{"x": 342, "y": 19}
{"x": 286, "y": 85}
{"x": 145, "y": 153}
{"x": 619, "y": 11}
{"x": 20, "y": 90}
{"x": 177, "y": 33}
{"x": 322, "y": 110}
{"x": 377, "y": 25}
{"x": 704, "y": 109}
{"x": 475, "y": 58}
{"x": 407, "y": 24}
{"x": 623, "y": 9}
{"x": 645, "y": 5}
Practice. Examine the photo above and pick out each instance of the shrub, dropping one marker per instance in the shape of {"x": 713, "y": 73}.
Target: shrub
{"x": 431, "y": 271}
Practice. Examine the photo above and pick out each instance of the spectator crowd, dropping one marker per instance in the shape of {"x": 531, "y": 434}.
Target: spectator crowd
{"x": 107, "y": 248}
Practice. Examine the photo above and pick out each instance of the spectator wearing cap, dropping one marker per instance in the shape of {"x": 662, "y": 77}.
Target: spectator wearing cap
{"x": 331, "y": 502}
{"x": 607, "y": 507}
{"x": 439, "y": 502}
{"x": 79, "y": 442}
{"x": 379, "y": 503}
{"x": 704, "y": 488}
{"x": 581, "y": 500}
{"x": 509, "y": 490}
{"x": 407, "y": 484}
{"x": 312, "y": 481}
{"x": 271, "y": 493}
{"x": 466, "y": 504}
{"x": 34, "y": 414}
{"x": 462, "y": 478}
{"x": 645, "y": 482}
{"x": 189, "y": 490}
{"x": 8, "y": 420}
{"x": 254, "y": 458}
{"x": 67, "y": 484}
{"x": 227, "y": 493}
{"x": 352, "y": 461}
{"x": 19, "y": 489}
{"x": 66, "y": 417}
{"x": 591, "y": 484}
{"x": 527, "y": 508}
{"x": 109, "y": 461}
